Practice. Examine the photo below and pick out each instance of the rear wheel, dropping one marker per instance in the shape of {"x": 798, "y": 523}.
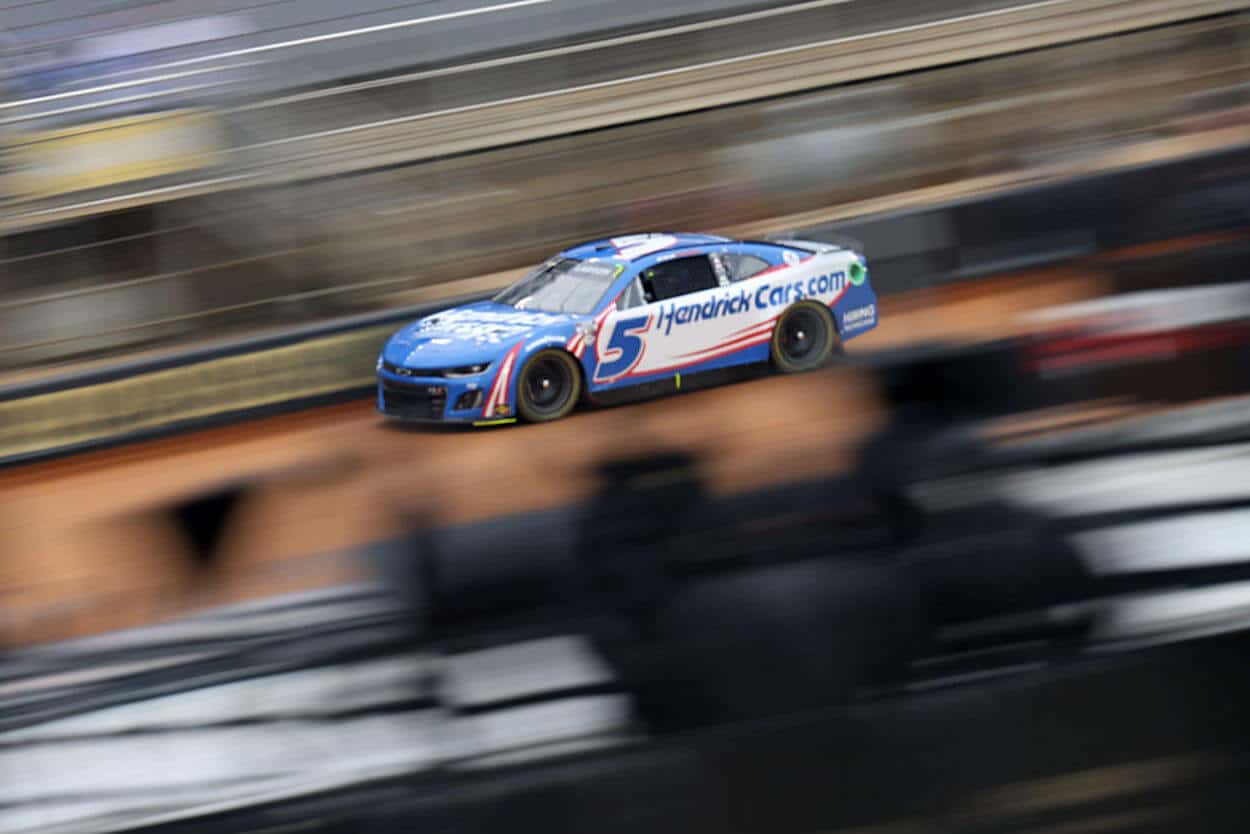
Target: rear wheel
{"x": 549, "y": 386}
{"x": 805, "y": 338}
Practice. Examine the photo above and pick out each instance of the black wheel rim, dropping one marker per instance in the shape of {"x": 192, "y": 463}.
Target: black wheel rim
{"x": 802, "y": 335}
{"x": 547, "y": 385}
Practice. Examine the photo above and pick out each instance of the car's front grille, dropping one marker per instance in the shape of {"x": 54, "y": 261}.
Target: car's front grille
{"x": 416, "y": 402}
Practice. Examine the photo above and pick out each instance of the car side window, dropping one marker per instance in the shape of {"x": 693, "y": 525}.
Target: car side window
{"x": 741, "y": 267}
{"x": 630, "y": 297}
{"x": 680, "y": 276}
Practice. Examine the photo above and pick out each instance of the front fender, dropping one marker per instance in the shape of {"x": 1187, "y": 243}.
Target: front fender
{"x": 501, "y": 397}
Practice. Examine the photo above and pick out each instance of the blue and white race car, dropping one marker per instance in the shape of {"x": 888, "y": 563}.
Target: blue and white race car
{"x": 635, "y": 315}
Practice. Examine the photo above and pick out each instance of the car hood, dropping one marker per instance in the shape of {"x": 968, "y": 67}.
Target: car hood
{"x": 469, "y": 335}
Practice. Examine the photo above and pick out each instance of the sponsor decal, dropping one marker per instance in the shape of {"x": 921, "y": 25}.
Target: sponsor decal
{"x": 519, "y": 318}
{"x": 481, "y": 326}
{"x": 714, "y": 308}
{"x": 763, "y": 297}
{"x": 859, "y": 317}
{"x": 595, "y": 268}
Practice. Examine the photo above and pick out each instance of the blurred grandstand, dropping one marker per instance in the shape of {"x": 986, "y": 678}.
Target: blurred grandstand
{"x": 193, "y": 249}
{"x": 987, "y": 575}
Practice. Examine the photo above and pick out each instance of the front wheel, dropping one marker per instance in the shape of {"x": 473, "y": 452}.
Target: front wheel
{"x": 805, "y": 338}
{"x": 549, "y": 386}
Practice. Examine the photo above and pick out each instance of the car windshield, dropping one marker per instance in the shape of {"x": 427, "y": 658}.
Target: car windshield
{"x": 562, "y": 286}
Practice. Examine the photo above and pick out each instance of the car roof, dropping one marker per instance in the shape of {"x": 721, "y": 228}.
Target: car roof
{"x": 635, "y": 246}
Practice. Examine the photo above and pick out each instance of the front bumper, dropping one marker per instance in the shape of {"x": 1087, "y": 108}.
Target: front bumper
{"x": 434, "y": 399}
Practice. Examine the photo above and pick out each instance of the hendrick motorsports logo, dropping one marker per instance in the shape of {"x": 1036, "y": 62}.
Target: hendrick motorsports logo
{"x": 860, "y": 317}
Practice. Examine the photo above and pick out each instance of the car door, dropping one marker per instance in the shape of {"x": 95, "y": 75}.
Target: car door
{"x": 679, "y": 313}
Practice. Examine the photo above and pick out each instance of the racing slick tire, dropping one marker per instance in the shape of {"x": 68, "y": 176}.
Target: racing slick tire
{"x": 549, "y": 387}
{"x": 804, "y": 338}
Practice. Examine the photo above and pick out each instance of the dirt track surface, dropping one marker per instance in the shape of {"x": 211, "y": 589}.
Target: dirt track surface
{"x": 85, "y": 546}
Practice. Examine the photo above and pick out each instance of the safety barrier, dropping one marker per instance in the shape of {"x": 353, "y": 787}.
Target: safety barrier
{"x": 196, "y": 388}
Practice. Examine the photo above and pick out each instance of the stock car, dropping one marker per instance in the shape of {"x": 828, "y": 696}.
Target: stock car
{"x": 629, "y": 315}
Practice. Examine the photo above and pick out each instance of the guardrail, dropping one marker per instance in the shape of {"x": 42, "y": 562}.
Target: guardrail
{"x": 197, "y": 388}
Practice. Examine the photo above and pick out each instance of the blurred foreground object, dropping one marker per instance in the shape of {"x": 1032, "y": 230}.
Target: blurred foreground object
{"x": 700, "y": 644}
{"x": 997, "y": 667}
{"x": 1164, "y": 345}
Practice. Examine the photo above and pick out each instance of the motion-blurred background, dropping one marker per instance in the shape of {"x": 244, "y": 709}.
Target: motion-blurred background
{"x": 988, "y": 574}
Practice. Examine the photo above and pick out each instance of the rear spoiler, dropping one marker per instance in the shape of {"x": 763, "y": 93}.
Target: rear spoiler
{"x": 833, "y": 243}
